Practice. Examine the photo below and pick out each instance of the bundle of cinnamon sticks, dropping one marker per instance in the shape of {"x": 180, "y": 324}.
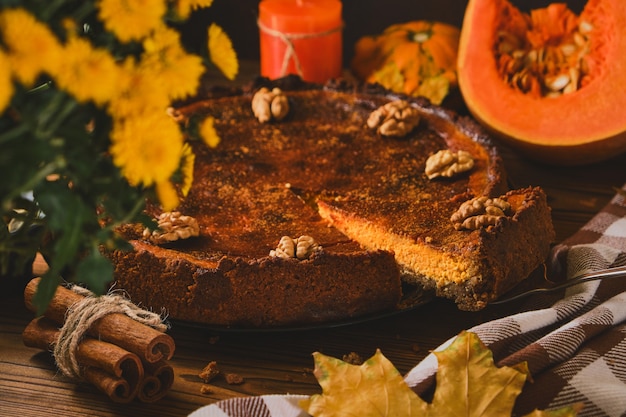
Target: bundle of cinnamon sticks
{"x": 122, "y": 357}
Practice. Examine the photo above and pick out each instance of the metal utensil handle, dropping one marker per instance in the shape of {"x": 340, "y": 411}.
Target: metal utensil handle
{"x": 616, "y": 272}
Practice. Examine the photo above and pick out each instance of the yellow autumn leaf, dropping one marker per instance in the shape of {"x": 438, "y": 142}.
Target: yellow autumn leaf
{"x": 374, "y": 388}
{"x": 468, "y": 383}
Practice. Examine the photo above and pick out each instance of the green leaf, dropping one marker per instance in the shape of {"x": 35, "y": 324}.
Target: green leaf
{"x": 61, "y": 206}
{"x": 20, "y": 231}
{"x": 96, "y": 272}
{"x": 45, "y": 291}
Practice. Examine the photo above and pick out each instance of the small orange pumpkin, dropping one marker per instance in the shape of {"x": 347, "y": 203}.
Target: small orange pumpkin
{"x": 416, "y": 58}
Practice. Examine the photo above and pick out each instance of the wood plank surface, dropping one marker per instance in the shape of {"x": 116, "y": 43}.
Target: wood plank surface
{"x": 281, "y": 362}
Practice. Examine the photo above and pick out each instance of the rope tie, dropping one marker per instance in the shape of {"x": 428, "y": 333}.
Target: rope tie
{"x": 82, "y": 314}
{"x": 288, "y": 39}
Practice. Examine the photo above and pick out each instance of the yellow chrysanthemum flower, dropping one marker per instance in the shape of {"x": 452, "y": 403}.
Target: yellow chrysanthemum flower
{"x": 6, "y": 84}
{"x": 222, "y": 53}
{"x": 31, "y": 46}
{"x": 188, "y": 161}
{"x": 131, "y": 20}
{"x": 147, "y": 148}
{"x": 138, "y": 91}
{"x": 168, "y": 197}
{"x": 88, "y": 73}
{"x": 71, "y": 26}
{"x": 167, "y": 60}
{"x": 208, "y": 133}
{"x": 184, "y": 7}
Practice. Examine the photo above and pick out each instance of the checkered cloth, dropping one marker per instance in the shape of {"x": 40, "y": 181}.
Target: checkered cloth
{"x": 574, "y": 344}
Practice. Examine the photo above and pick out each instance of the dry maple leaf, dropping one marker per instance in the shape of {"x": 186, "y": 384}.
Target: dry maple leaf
{"x": 374, "y": 388}
{"x": 468, "y": 384}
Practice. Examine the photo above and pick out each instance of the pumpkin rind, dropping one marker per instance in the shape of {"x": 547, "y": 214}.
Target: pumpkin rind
{"x": 414, "y": 58}
{"x": 588, "y": 125}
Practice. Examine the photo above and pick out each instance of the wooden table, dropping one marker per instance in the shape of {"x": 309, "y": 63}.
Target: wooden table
{"x": 281, "y": 362}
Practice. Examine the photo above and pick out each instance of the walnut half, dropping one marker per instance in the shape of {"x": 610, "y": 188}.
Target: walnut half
{"x": 270, "y": 105}
{"x": 299, "y": 248}
{"x": 480, "y": 212}
{"x": 446, "y": 163}
{"x": 172, "y": 226}
{"x": 396, "y": 118}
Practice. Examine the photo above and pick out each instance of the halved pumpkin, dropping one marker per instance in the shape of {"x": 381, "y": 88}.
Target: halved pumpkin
{"x": 550, "y": 83}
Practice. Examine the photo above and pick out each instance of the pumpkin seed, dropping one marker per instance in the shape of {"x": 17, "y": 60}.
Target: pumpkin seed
{"x": 507, "y": 42}
{"x": 557, "y": 83}
{"x": 585, "y": 27}
{"x": 568, "y": 49}
{"x": 579, "y": 39}
{"x": 574, "y": 75}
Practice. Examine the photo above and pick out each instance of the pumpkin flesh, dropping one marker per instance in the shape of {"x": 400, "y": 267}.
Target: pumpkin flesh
{"x": 583, "y": 126}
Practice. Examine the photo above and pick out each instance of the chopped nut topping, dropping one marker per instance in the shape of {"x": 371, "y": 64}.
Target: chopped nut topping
{"x": 234, "y": 379}
{"x": 270, "y": 105}
{"x": 396, "y": 118}
{"x": 480, "y": 212}
{"x": 353, "y": 358}
{"x": 206, "y": 389}
{"x": 446, "y": 163}
{"x": 209, "y": 372}
{"x": 300, "y": 248}
{"x": 172, "y": 226}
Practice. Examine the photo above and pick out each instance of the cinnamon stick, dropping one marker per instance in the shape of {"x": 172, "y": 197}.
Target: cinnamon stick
{"x": 117, "y": 389}
{"x": 116, "y": 328}
{"x": 113, "y": 370}
{"x": 158, "y": 379}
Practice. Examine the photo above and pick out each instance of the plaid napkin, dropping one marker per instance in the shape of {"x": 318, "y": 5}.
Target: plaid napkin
{"x": 574, "y": 343}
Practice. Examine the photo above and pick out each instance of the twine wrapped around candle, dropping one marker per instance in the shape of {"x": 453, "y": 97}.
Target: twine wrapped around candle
{"x": 288, "y": 38}
{"x": 302, "y": 37}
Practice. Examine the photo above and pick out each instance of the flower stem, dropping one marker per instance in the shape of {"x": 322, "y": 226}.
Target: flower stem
{"x": 54, "y": 114}
{"x": 11, "y": 134}
{"x": 39, "y": 176}
{"x": 61, "y": 115}
{"x": 131, "y": 215}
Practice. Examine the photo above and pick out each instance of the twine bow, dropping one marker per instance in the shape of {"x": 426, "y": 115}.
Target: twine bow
{"x": 288, "y": 38}
{"x": 83, "y": 314}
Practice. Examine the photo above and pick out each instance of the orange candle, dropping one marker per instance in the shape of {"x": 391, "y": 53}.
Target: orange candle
{"x": 301, "y": 37}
